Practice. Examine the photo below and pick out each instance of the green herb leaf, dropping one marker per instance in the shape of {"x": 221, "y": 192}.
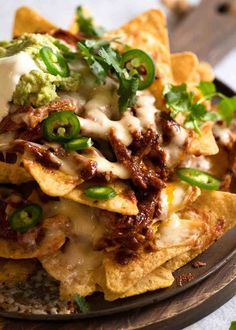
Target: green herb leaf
{"x": 102, "y": 59}
{"x": 227, "y": 107}
{"x": 233, "y": 325}
{"x": 82, "y": 303}
{"x": 178, "y": 99}
{"x": 207, "y": 88}
{"x": 99, "y": 70}
{"x": 86, "y": 24}
{"x": 127, "y": 92}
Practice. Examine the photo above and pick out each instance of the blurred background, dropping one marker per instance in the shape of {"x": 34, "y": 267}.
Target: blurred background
{"x": 111, "y": 14}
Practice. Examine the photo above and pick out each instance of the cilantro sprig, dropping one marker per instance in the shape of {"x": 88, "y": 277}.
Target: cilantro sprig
{"x": 233, "y": 325}
{"x": 86, "y": 24}
{"x": 103, "y": 60}
{"x": 179, "y": 100}
{"x": 82, "y": 303}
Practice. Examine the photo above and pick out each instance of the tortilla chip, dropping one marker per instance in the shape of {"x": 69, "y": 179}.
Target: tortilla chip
{"x": 52, "y": 182}
{"x": 29, "y": 21}
{"x": 119, "y": 278}
{"x": 221, "y": 210}
{"x": 204, "y": 143}
{"x": 185, "y": 68}
{"x": 16, "y": 270}
{"x": 148, "y": 32}
{"x": 205, "y": 71}
{"x": 53, "y": 238}
{"x": 160, "y": 278}
{"x": 76, "y": 266}
{"x": 124, "y": 202}
{"x": 13, "y": 173}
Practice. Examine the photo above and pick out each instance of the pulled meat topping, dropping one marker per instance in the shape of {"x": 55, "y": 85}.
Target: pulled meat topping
{"x": 145, "y": 160}
{"x": 145, "y": 148}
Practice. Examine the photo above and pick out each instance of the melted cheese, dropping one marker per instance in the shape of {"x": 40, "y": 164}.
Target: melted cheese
{"x": 177, "y": 232}
{"x": 223, "y": 134}
{"x": 176, "y": 196}
{"x": 96, "y": 122}
{"x": 105, "y": 166}
{"x": 11, "y": 70}
{"x": 174, "y": 150}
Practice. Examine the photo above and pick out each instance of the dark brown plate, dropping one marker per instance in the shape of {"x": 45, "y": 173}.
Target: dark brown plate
{"x": 215, "y": 257}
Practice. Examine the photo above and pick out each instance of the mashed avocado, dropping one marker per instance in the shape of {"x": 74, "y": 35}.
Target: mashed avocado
{"x": 39, "y": 86}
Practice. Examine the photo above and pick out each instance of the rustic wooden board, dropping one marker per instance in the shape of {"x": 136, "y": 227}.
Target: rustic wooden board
{"x": 172, "y": 314}
{"x": 206, "y": 31}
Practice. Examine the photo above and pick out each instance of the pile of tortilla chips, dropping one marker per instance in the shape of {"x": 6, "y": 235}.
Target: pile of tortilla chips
{"x": 207, "y": 215}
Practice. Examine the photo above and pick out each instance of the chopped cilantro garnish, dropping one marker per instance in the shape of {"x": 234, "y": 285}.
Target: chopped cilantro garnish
{"x": 227, "y": 107}
{"x": 86, "y": 24}
{"x": 233, "y": 325}
{"x": 98, "y": 69}
{"x": 178, "y": 99}
{"x": 207, "y": 88}
{"x": 102, "y": 59}
{"x": 127, "y": 92}
{"x": 81, "y": 303}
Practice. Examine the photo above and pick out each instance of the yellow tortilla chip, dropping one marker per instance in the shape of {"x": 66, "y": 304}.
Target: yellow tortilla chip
{"x": 185, "y": 68}
{"x": 52, "y": 182}
{"x": 119, "y": 278}
{"x": 124, "y": 202}
{"x": 53, "y": 238}
{"x": 160, "y": 278}
{"x": 16, "y": 270}
{"x": 148, "y": 32}
{"x": 13, "y": 173}
{"x": 204, "y": 143}
{"x": 29, "y": 21}
{"x": 75, "y": 275}
{"x": 205, "y": 71}
{"x": 221, "y": 210}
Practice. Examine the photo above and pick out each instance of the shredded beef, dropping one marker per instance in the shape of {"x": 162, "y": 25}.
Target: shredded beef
{"x": 169, "y": 127}
{"x": 126, "y": 234}
{"x": 42, "y": 155}
{"x": 5, "y": 230}
{"x": 28, "y": 117}
{"x": 66, "y": 36}
{"x": 143, "y": 174}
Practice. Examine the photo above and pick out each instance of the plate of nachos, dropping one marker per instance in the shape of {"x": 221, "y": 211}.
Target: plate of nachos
{"x": 117, "y": 167}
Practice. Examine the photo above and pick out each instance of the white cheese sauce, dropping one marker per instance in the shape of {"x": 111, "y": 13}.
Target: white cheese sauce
{"x": 11, "y": 70}
{"x": 222, "y": 134}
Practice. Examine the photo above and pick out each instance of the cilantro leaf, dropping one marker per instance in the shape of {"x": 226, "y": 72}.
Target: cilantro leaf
{"x": 177, "y": 99}
{"x": 102, "y": 59}
{"x": 111, "y": 58}
{"x": 227, "y": 107}
{"x": 207, "y": 88}
{"x": 86, "y": 25}
{"x": 127, "y": 92}
{"x": 233, "y": 325}
{"x": 82, "y": 303}
{"x": 99, "y": 70}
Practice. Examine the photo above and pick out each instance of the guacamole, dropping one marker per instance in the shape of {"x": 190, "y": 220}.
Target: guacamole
{"x": 39, "y": 87}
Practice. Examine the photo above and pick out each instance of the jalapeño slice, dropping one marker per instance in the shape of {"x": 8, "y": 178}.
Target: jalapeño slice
{"x": 26, "y": 217}
{"x": 140, "y": 64}
{"x": 198, "y": 178}
{"x": 54, "y": 62}
{"x": 100, "y": 192}
{"x": 80, "y": 143}
{"x": 61, "y": 126}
